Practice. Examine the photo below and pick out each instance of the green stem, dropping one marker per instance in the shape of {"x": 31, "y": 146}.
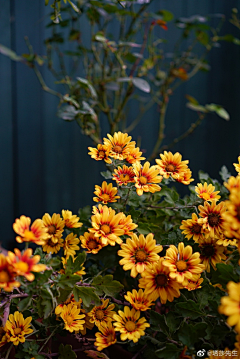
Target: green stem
{"x": 48, "y": 338}
{"x": 8, "y": 352}
{"x": 124, "y": 101}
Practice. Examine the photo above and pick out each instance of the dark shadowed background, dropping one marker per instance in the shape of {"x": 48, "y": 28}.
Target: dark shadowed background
{"x": 44, "y": 164}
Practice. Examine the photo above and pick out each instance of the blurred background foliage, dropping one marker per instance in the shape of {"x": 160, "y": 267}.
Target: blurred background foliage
{"x": 110, "y": 65}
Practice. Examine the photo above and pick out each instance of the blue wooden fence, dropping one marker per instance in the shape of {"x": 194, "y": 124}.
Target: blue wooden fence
{"x": 44, "y": 164}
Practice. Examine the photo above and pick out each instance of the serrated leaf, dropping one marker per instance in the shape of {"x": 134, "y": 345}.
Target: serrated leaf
{"x": 107, "y": 285}
{"x": 76, "y": 265}
{"x": 157, "y": 322}
{"x": 87, "y": 295}
{"x": 68, "y": 280}
{"x": 106, "y": 174}
{"x": 170, "y": 351}
{"x": 24, "y": 303}
{"x": 189, "y": 309}
{"x": 224, "y": 173}
{"x": 141, "y": 84}
{"x": 66, "y": 352}
{"x": 172, "y": 321}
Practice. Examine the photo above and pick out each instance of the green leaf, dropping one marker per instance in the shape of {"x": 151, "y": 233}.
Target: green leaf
{"x": 68, "y": 280}
{"x": 223, "y": 274}
{"x": 224, "y": 173}
{"x": 106, "y": 174}
{"x": 172, "y": 321}
{"x": 66, "y": 352}
{"x": 87, "y": 295}
{"x": 170, "y": 351}
{"x": 107, "y": 285}
{"x": 192, "y": 100}
{"x": 46, "y": 2}
{"x": 157, "y": 322}
{"x": 75, "y": 8}
{"x": 68, "y": 99}
{"x": 141, "y": 84}
{"x": 63, "y": 295}
{"x": 24, "y": 303}
{"x": 219, "y": 110}
{"x": 194, "y": 107}
{"x": 189, "y": 309}
{"x": 75, "y": 266}
{"x": 86, "y": 83}
{"x": 8, "y": 52}
{"x": 165, "y": 15}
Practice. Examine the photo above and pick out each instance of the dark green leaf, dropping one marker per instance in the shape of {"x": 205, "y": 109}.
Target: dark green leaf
{"x": 107, "y": 285}
{"x": 170, "y": 351}
{"x": 157, "y": 322}
{"x": 75, "y": 8}
{"x": 24, "y": 303}
{"x": 224, "y": 173}
{"x": 75, "y": 266}
{"x": 106, "y": 174}
{"x": 86, "y": 83}
{"x": 87, "y": 295}
{"x": 172, "y": 321}
{"x": 189, "y": 309}
{"x": 68, "y": 280}
{"x": 66, "y": 352}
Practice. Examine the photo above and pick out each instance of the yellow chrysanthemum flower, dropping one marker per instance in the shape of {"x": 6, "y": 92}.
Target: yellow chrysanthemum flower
{"x": 71, "y": 221}
{"x": 91, "y": 243}
{"x": 124, "y": 175}
{"x": 55, "y": 226}
{"x": 70, "y": 245}
{"x": 17, "y": 327}
{"x": 158, "y": 284}
{"x": 194, "y": 284}
{"x": 7, "y": 275}
{"x": 73, "y": 321}
{"x": 232, "y": 216}
{"x": 106, "y": 193}
{"x": 212, "y": 218}
{"x": 37, "y": 233}
{"x": 233, "y": 183}
{"x": 192, "y": 228}
{"x": 139, "y": 300}
{"x": 128, "y": 225}
{"x": 52, "y": 247}
{"x": 59, "y": 308}
{"x": 100, "y": 153}
{"x": 172, "y": 165}
{"x": 185, "y": 177}
{"x": 206, "y": 192}
{"x": 211, "y": 253}
{"x": 105, "y": 337}
{"x": 138, "y": 253}
{"x": 119, "y": 145}
{"x": 182, "y": 263}
{"x": 226, "y": 241}
{"x": 87, "y": 324}
{"x": 24, "y": 265}
{"x": 3, "y": 337}
{"x": 106, "y": 226}
{"x": 146, "y": 178}
{"x": 134, "y": 155}
{"x": 237, "y": 165}
{"x": 102, "y": 313}
{"x": 129, "y": 324}
{"x": 230, "y": 305}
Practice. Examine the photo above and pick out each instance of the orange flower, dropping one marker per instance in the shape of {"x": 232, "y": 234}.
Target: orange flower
{"x": 106, "y": 226}
{"x": 172, "y": 165}
{"x": 233, "y": 183}
{"x": 206, "y": 192}
{"x": 118, "y": 145}
{"x": 23, "y": 264}
{"x": 211, "y": 253}
{"x": 182, "y": 263}
{"x": 185, "y": 177}
{"x": 134, "y": 155}
{"x": 192, "y": 228}
{"x": 212, "y": 217}
{"x": 100, "y": 153}
{"x": 91, "y": 243}
{"x": 194, "y": 284}
{"x": 124, "y": 175}
{"x": 128, "y": 225}
{"x": 106, "y": 193}
{"x": 139, "y": 300}
{"x": 138, "y": 253}
{"x": 102, "y": 313}
{"x": 54, "y": 225}
{"x": 7, "y": 275}
{"x": 73, "y": 320}
{"x": 146, "y": 178}
{"x": 106, "y": 338}
{"x": 71, "y": 221}
{"x": 157, "y": 283}
{"x": 36, "y": 233}
{"x": 180, "y": 73}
